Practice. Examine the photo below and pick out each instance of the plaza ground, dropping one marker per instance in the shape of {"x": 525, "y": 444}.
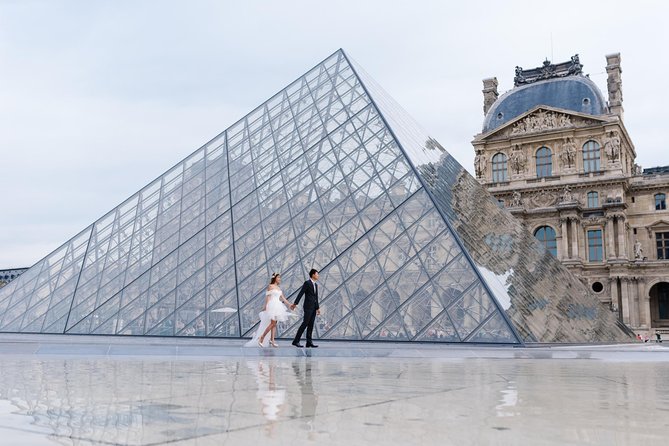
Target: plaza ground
{"x": 151, "y": 391}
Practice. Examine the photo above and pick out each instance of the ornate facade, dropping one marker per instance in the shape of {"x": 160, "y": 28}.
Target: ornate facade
{"x": 559, "y": 157}
{"x": 7, "y": 275}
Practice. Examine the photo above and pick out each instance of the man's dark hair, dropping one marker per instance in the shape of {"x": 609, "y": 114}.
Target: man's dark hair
{"x": 312, "y": 272}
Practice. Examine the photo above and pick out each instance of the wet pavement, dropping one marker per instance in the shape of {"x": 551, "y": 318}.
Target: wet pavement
{"x": 91, "y": 390}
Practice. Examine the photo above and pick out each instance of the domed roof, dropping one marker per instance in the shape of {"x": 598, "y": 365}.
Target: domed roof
{"x": 576, "y": 93}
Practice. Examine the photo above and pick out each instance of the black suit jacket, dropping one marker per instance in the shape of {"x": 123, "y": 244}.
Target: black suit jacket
{"x": 310, "y": 296}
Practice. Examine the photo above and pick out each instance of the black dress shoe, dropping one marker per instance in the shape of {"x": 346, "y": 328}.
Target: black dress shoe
{"x": 312, "y": 346}
{"x": 297, "y": 344}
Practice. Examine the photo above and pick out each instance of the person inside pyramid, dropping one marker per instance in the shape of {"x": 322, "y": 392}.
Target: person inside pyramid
{"x": 273, "y": 312}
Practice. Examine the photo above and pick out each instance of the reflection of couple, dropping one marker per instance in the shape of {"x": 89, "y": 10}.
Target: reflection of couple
{"x": 274, "y": 311}
{"x": 272, "y": 395}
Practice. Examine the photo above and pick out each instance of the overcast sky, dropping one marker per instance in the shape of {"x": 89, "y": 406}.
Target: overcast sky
{"x": 97, "y": 98}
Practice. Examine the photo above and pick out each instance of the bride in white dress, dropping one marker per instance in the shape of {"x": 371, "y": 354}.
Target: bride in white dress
{"x": 273, "y": 312}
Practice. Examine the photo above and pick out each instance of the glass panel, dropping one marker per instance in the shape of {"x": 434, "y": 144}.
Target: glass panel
{"x": 544, "y": 162}
{"x": 499, "y": 168}
{"x": 595, "y": 249}
{"x": 591, "y": 156}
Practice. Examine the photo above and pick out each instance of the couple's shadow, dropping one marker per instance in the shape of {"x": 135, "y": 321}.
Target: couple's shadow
{"x": 272, "y": 393}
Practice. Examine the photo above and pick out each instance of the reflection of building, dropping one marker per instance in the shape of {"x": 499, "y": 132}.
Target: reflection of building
{"x": 7, "y": 275}
{"x": 329, "y": 173}
{"x": 558, "y": 156}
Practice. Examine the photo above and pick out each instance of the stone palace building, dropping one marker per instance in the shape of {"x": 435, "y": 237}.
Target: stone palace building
{"x": 557, "y": 154}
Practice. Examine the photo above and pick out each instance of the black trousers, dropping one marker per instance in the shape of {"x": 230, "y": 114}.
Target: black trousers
{"x": 308, "y": 324}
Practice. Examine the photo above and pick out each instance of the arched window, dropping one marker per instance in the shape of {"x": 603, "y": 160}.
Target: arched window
{"x": 499, "y": 170}
{"x": 593, "y": 200}
{"x": 591, "y": 156}
{"x": 544, "y": 162}
{"x": 660, "y": 202}
{"x": 546, "y": 235}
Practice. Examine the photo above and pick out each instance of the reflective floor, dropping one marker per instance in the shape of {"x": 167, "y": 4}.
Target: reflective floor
{"x": 607, "y": 398}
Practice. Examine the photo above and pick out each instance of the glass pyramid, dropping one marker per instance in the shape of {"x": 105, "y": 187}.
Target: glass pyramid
{"x": 329, "y": 173}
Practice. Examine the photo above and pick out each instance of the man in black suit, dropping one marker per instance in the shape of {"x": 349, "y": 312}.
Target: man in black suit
{"x": 311, "y": 309}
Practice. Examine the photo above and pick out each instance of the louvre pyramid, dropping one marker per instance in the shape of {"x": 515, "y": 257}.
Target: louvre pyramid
{"x": 329, "y": 173}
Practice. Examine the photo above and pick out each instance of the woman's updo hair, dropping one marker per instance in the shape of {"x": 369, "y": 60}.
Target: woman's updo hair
{"x": 272, "y": 280}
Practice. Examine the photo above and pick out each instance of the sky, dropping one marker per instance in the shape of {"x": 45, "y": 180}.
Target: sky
{"x": 98, "y": 98}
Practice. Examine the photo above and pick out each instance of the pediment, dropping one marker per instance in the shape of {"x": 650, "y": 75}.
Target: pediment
{"x": 541, "y": 119}
{"x": 658, "y": 226}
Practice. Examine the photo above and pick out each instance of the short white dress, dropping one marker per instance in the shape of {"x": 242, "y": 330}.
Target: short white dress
{"x": 276, "y": 311}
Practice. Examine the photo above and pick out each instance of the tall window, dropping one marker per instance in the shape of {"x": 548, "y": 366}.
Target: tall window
{"x": 660, "y": 202}
{"x": 544, "y": 162}
{"x": 593, "y": 200}
{"x": 499, "y": 171}
{"x": 662, "y": 242}
{"x": 591, "y": 156}
{"x": 546, "y": 235}
{"x": 595, "y": 253}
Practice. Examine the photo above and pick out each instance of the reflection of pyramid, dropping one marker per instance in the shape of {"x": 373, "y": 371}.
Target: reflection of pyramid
{"x": 328, "y": 173}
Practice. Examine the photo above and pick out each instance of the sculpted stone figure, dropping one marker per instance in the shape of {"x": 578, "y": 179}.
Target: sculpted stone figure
{"x": 568, "y": 154}
{"x": 519, "y": 78}
{"x": 516, "y": 201}
{"x": 638, "y": 250}
{"x": 541, "y": 121}
{"x": 563, "y": 120}
{"x": 480, "y": 164}
{"x": 612, "y": 146}
{"x": 566, "y": 195}
{"x": 518, "y": 160}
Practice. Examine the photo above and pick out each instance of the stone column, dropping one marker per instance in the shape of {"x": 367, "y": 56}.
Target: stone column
{"x": 610, "y": 238}
{"x": 490, "y": 94}
{"x": 644, "y": 303}
{"x": 574, "y": 238}
{"x": 613, "y": 285}
{"x": 622, "y": 237}
{"x": 624, "y": 282}
{"x": 565, "y": 238}
{"x": 614, "y": 83}
{"x": 634, "y": 301}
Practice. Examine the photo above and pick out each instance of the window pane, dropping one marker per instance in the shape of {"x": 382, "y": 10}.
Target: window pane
{"x": 499, "y": 171}
{"x": 593, "y": 199}
{"x": 591, "y": 157}
{"x": 660, "y": 202}
{"x": 544, "y": 162}
{"x": 662, "y": 243}
{"x": 595, "y": 253}
{"x": 546, "y": 235}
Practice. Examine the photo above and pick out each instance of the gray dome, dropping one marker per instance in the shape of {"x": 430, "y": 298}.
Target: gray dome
{"x": 577, "y": 93}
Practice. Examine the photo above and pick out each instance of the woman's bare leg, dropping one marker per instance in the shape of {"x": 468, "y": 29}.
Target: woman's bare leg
{"x": 267, "y": 330}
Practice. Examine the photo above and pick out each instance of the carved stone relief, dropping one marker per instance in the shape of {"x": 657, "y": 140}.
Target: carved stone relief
{"x": 612, "y": 146}
{"x": 568, "y": 153}
{"x": 566, "y": 196}
{"x": 516, "y": 200}
{"x": 543, "y": 199}
{"x": 480, "y": 164}
{"x": 543, "y": 120}
{"x": 518, "y": 159}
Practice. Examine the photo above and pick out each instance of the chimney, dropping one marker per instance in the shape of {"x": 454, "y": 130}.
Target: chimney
{"x": 614, "y": 84}
{"x": 490, "y": 94}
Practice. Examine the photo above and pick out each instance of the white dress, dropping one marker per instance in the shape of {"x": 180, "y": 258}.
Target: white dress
{"x": 276, "y": 311}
